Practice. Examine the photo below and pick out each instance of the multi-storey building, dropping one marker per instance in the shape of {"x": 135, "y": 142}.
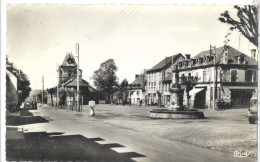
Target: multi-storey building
{"x": 157, "y": 89}
{"x": 235, "y": 77}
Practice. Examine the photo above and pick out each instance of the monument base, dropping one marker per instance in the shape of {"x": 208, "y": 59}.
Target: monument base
{"x": 176, "y": 114}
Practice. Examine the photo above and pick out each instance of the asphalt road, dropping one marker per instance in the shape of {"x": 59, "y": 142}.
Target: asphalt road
{"x": 136, "y": 145}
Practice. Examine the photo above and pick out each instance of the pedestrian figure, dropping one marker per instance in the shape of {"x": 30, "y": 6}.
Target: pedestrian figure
{"x": 141, "y": 102}
{"x": 145, "y": 102}
{"x": 32, "y": 105}
{"x": 35, "y": 105}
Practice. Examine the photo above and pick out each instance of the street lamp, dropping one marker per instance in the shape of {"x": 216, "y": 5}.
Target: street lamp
{"x": 214, "y": 72}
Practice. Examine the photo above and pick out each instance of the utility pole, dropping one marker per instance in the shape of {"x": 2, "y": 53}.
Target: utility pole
{"x": 58, "y": 81}
{"x": 42, "y": 90}
{"x": 214, "y": 75}
{"x": 77, "y": 52}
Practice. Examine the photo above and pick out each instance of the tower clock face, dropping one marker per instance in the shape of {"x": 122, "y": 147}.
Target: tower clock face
{"x": 70, "y": 60}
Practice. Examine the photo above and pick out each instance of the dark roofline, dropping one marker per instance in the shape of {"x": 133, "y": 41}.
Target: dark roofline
{"x": 155, "y": 68}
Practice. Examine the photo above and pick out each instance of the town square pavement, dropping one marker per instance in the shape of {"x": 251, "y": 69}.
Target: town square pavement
{"x": 55, "y": 134}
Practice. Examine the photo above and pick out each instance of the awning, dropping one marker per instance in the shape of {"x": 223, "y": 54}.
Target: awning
{"x": 195, "y": 90}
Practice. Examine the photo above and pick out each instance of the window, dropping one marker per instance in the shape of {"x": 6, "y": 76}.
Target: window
{"x": 249, "y": 75}
{"x": 255, "y": 76}
{"x": 233, "y": 75}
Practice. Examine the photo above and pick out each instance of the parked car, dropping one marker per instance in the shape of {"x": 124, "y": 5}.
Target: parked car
{"x": 27, "y": 105}
{"x": 252, "y": 111}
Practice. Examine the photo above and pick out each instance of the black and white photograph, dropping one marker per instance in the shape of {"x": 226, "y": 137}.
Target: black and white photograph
{"x": 129, "y": 82}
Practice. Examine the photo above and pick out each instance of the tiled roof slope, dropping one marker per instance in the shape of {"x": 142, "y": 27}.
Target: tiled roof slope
{"x": 165, "y": 62}
{"x": 138, "y": 80}
{"x": 232, "y": 53}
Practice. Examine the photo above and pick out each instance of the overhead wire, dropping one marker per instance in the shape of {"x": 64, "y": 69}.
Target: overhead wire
{"x": 111, "y": 19}
{"x": 108, "y": 28}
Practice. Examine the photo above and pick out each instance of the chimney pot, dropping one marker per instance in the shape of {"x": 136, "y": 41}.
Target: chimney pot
{"x": 187, "y": 56}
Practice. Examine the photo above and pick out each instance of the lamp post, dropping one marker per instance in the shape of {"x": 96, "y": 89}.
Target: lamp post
{"x": 214, "y": 74}
{"x": 58, "y": 81}
{"x": 77, "y": 52}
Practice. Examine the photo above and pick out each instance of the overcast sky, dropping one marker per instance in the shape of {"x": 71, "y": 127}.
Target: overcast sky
{"x": 135, "y": 36}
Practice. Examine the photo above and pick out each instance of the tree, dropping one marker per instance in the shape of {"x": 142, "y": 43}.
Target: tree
{"x": 122, "y": 91}
{"x": 23, "y": 86}
{"x": 246, "y": 22}
{"x": 105, "y": 78}
{"x": 52, "y": 91}
{"x": 188, "y": 82}
{"x": 39, "y": 95}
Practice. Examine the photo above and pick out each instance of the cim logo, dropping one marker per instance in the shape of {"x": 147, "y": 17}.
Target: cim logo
{"x": 241, "y": 154}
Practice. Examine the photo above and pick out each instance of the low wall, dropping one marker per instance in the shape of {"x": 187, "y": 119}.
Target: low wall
{"x": 173, "y": 114}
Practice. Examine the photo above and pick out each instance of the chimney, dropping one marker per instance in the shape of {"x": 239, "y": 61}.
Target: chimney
{"x": 253, "y": 54}
{"x": 187, "y": 56}
{"x": 240, "y": 59}
{"x": 136, "y": 76}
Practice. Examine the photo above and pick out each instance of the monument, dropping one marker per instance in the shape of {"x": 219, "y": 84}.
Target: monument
{"x": 178, "y": 111}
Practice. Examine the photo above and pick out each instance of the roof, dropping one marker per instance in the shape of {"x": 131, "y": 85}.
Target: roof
{"x": 232, "y": 56}
{"x": 73, "y": 83}
{"x": 139, "y": 82}
{"x": 165, "y": 62}
{"x": 69, "y": 60}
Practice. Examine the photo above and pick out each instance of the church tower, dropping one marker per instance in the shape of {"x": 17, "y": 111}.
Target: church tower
{"x": 67, "y": 66}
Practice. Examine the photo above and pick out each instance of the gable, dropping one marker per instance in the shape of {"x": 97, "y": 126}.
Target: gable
{"x": 69, "y": 60}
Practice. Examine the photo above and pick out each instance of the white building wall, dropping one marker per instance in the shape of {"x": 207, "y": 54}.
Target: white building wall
{"x": 137, "y": 96}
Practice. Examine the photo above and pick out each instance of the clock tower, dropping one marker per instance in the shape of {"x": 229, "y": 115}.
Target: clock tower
{"x": 67, "y": 66}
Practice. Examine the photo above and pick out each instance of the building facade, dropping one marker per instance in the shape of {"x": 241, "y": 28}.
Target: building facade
{"x": 137, "y": 89}
{"x": 158, "y": 81}
{"x": 11, "y": 89}
{"x": 235, "y": 77}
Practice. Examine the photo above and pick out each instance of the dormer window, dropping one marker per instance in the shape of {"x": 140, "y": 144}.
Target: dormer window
{"x": 193, "y": 62}
{"x": 180, "y": 64}
{"x": 205, "y": 59}
{"x": 186, "y": 63}
{"x": 200, "y": 60}
{"x": 210, "y": 58}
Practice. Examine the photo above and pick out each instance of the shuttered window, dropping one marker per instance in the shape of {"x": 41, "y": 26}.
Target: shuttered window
{"x": 233, "y": 75}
